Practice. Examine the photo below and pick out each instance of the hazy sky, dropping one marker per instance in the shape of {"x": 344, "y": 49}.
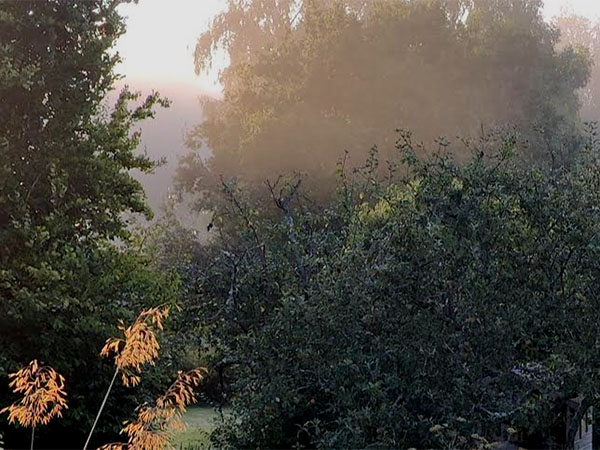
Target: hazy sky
{"x": 159, "y": 43}
{"x": 588, "y": 8}
{"x": 161, "y": 34}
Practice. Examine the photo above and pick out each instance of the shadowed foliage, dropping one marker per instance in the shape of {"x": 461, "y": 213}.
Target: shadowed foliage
{"x": 420, "y": 310}
{"x": 67, "y": 266}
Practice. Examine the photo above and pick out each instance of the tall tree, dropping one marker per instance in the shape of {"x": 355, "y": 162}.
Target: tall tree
{"x": 65, "y": 193}
{"x": 581, "y": 32}
{"x": 309, "y": 79}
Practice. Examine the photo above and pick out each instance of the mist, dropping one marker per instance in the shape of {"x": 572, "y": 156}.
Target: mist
{"x": 302, "y": 224}
{"x": 366, "y": 72}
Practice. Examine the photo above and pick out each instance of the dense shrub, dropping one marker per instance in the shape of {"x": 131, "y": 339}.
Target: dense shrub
{"x": 425, "y": 308}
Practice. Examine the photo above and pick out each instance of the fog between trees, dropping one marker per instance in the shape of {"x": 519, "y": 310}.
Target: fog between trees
{"x": 310, "y": 80}
{"x": 367, "y": 81}
{"x": 414, "y": 295}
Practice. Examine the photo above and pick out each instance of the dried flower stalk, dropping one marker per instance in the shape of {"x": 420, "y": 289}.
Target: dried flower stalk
{"x": 154, "y": 425}
{"x": 138, "y": 347}
{"x": 44, "y": 396}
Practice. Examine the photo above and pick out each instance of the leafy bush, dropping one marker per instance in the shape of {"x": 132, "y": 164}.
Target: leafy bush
{"x": 423, "y": 309}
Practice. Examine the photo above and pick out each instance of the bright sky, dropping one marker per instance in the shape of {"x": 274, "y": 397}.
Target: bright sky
{"x": 587, "y": 8}
{"x": 161, "y": 34}
{"x": 159, "y": 43}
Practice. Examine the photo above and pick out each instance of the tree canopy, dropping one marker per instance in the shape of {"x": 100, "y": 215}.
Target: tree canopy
{"x": 580, "y": 32}
{"x": 308, "y": 80}
{"x": 67, "y": 269}
{"x": 439, "y": 295}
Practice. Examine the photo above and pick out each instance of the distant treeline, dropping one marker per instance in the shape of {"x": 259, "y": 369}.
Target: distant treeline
{"x": 311, "y": 79}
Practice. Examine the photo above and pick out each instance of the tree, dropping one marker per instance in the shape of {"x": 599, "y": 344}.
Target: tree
{"x": 577, "y": 31}
{"x": 421, "y": 310}
{"x": 308, "y": 80}
{"x": 68, "y": 269}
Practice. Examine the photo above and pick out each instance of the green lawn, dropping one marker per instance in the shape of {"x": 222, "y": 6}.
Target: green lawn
{"x": 200, "y": 422}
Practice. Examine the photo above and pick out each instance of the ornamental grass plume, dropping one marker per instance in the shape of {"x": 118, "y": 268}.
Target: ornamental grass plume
{"x": 43, "y": 399}
{"x": 137, "y": 347}
{"x": 154, "y": 425}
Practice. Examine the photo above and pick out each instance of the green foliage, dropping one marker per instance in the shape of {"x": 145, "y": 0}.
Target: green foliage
{"x": 68, "y": 270}
{"x": 310, "y": 79}
{"x": 422, "y": 310}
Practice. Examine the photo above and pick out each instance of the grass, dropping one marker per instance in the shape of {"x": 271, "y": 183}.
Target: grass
{"x": 200, "y": 421}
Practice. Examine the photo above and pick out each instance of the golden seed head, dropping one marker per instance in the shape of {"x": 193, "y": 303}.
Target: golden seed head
{"x": 153, "y": 426}
{"x": 43, "y": 398}
{"x": 138, "y": 346}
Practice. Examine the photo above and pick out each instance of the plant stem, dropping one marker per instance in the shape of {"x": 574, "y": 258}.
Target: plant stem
{"x": 32, "y": 436}
{"x": 101, "y": 408}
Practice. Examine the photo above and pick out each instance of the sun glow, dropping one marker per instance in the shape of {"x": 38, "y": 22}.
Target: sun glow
{"x": 158, "y": 46}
